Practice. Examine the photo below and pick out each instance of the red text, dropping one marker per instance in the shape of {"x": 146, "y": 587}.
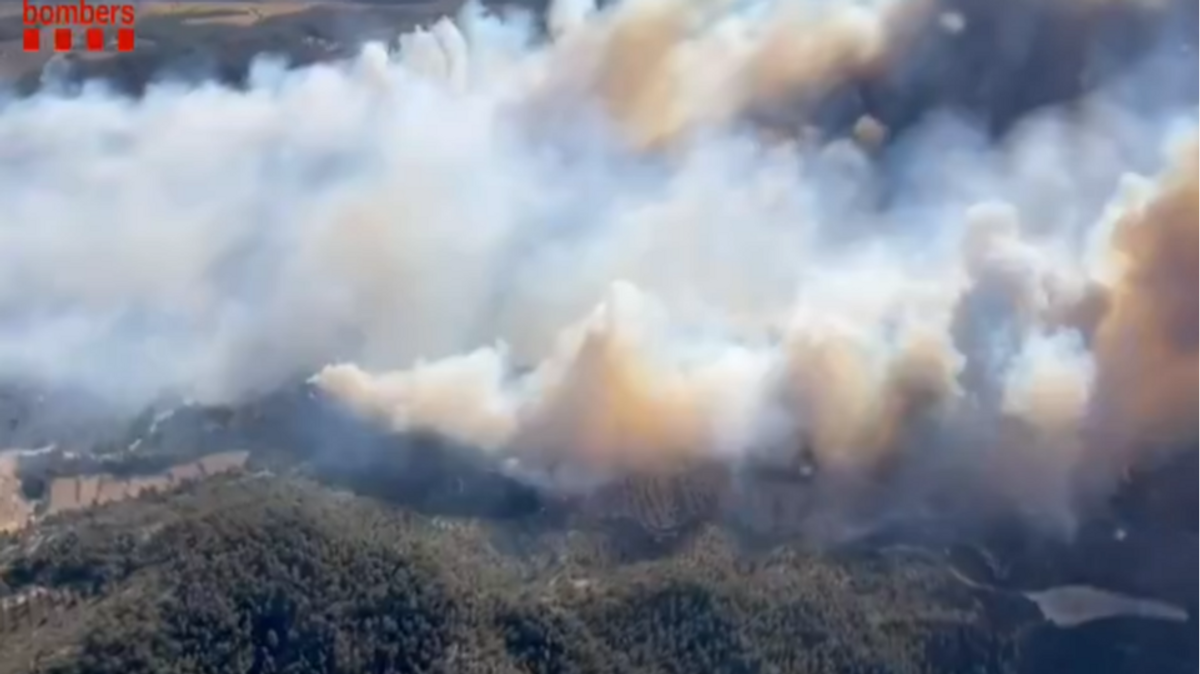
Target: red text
{"x": 64, "y": 19}
{"x": 80, "y": 13}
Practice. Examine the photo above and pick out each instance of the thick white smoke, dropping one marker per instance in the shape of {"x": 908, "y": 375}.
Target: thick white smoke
{"x": 573, "y": 254}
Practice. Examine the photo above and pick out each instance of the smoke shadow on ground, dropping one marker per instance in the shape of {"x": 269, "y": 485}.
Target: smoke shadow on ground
{"x": 1152, "y": 517}
{"x": 1112, "y": 645}
{"x": 300, "y": 429}
{"x": 296, "y": 428}
{"x": 419, "y": 471}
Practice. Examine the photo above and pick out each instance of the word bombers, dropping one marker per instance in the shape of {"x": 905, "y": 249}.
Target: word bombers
{"x": 79, "y": 24}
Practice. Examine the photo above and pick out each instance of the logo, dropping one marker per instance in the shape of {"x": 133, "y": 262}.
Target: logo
{"x": 78, "y": 24}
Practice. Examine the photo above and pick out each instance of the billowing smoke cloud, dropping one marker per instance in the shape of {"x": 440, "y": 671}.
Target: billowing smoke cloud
{"x": 588, "y": 257}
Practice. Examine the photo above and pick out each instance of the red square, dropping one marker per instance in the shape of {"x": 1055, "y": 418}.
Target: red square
{"x": 124, "y": 39}
{"x": 33, "y": 39}
{"x": 62, "y": 39}
{"x": 95, "y": 39}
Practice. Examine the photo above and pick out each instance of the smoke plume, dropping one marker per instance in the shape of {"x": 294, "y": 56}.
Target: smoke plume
{"x": 670, "y": 233}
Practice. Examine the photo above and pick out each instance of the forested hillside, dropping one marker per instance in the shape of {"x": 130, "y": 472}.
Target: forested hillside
{"x": 271, "y": 575}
